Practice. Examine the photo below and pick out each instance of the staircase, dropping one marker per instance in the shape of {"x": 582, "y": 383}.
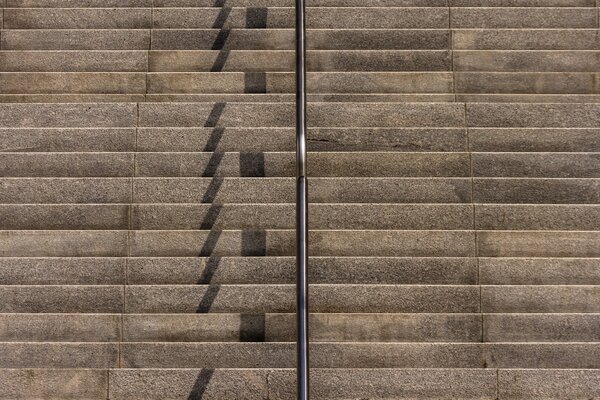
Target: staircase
{"x": 147, "y": 199}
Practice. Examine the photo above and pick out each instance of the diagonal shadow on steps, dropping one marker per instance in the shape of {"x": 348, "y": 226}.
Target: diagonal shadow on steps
{"x": 253, "y": 243}
{"x": 201, "y": 384}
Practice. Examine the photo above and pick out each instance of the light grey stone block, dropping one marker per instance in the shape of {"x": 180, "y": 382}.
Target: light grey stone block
{"x": 60, "y": 327}
{"x": 63, "y": 243}
{"x": 67, "y": 139}
{"x": 53, "y": 383}
{"x": 77, "y": 18}
{"x": 65, "y": 190}
{"x": 58, "y": 355}
{"x": 62, "y": 271}
{"x": 539, "y": 271}
{"x": 61, "y": 299}
{"x": 18, "y": 216}
{"x": 548, "y": 384}
{"x": 541, "y": 327}
{"x": 75, "y": 39}
{"x": 540, "y": 299}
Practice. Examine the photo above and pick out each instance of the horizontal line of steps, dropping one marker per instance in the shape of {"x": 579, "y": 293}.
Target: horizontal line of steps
{"x": 282, "y": 355}
{"x": 329, "y": 83}
{"x": 251, "y": 140}
{"x": 282, "y": 216}
{"x": 282, "y": 164}
{"x": 311, "y": 98}
{"x": 279, "y": 384}
{"x": 281, "y": 190}
{"x": 283, "y": 60}
{"x": 381, "y": 327}
{"x": 281, "y": 270}
{"x": 283, "y": 39}
{"x": 325, "y": 298}
{"x": 317, "y": 17}
{"x": 261, "y": 115}
{"x": 392, "y": 243}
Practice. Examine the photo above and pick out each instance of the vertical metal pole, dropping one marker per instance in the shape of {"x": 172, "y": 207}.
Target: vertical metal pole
{"x": 301, "y": 208}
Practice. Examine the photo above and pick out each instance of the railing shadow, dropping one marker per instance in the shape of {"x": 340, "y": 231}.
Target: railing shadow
{"x": 201, "y": 384}
{"x": 253, "y": 242}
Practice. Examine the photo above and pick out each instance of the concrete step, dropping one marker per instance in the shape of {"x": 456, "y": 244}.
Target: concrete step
{"x": 280, "y": 82}
{"x": 525, "y": 61}
{"x": 269, "y": 139}
{"x": 259, "y": 115}
{"x": 21, "y": 383}
{"x": 73, "y": 82}
{"x": 73, "y": 61}
{"x": 237, "y": 17}
{"x": 522, "y": 17}
{"x": 77, "y": 18}
{"x": 283, "y": 60}
{"x": 260, "y": 270}
{"x": 280, "y": 298}
{"x": 281, "y": 164}
{"x": 281, "y": 216}
{"x": 280, "y": 270}
{"x": 312, "y": 98}
{"x": 212, "y": 39}
{"x": 330, "y": 327}
{"x": 281, "y": 190}
{"x": 327, "y": 243}
{"x": 237, "y": 60}
{"x": 338, "y": 164}
{"x": 75, "y": 39}
{"x": 343, "y": 383}
{"x": 255, "y": 384}
{"x": 261, "y": 98}
{"x": 238, "y": 164}
{"x": 283, "y": 139}
{"x": 365, "y": 115}
{"x": 519, "y": 39}
{"x": 325, "y": 327}
{"x": 281, "y": 355}
{"x": 246, "y": 190}
{"x": 63, "y": 271}
{"x": 254, "y": 216}
{"x": 542, "y": 271}
{"x": 541, "y": 327}
{"x": 325, "y": 298}
{"x": 283, "y": 39}
{"x": 160, "y": 299}
{"x": 318, "y": 82}
{"x": 385, "y": 243}
{"x": 245, "y": 327}
{"x": 317, "y": 17}
{"x": 320, "y": 115}
{"x": 533, "y": 139}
